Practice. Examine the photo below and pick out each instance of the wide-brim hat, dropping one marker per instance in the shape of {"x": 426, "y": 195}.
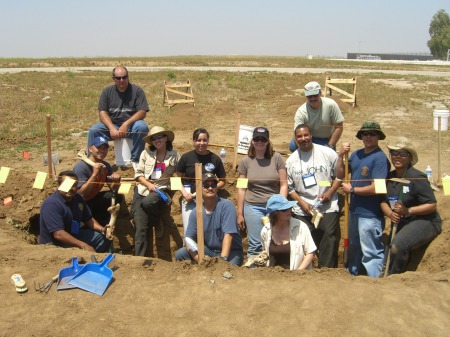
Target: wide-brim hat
{"x": 370, "y": 126}
{"x": 404, "y": 143}
{"x": 159, "y": 130}
{"x": 277, "y": 202}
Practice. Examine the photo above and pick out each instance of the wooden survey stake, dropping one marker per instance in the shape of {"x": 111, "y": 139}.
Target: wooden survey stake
{"x": 199, "y": 211}
{"x": 180, "y": 93}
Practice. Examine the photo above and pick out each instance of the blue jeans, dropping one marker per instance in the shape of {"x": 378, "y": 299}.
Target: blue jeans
{"x": 321, "y": 141}
{"x": 411, "y": 236}
{"x": 94, "y": 239}
{"x": 236, "y": 257}
{"x": 364, "y": 245}
{"x": 137, "y": 131}
{"x": 252, "y": 216}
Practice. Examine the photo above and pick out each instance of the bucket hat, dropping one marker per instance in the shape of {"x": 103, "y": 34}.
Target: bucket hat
{"x": 277, "y": 202}
{"x": 158, "y": 130}
{"x": 404, "y": 143}
{"x": 370, "y": 126}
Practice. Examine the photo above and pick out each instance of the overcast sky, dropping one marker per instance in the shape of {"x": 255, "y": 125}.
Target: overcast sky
{"x": 91, "y": 28}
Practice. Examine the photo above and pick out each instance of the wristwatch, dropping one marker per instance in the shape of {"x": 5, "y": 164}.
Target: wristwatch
{"x": 225, "y": 258}
{"x": 352, "y": 190}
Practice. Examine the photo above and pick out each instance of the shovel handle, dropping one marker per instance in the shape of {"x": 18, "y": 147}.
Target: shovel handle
{"x": 107, "y": 260}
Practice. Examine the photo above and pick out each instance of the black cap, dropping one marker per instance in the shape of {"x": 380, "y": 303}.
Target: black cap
{"x": 261, "y": 131}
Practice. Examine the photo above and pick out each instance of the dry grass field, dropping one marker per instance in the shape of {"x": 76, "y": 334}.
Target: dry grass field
{"x": 154, "y": 297}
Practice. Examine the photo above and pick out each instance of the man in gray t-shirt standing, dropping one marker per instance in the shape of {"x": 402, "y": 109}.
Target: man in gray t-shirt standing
{"x": 323, "y": 116}
{"x": 121, "y": 110}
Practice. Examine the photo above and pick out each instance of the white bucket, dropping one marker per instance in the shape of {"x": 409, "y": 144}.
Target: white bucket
{"x": 245, "y": 137}
{"x": 443, "y": 115}
{"x": 122, "y": 150}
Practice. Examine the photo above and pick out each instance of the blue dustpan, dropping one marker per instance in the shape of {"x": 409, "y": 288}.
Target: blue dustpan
{"x": 66, "y": 274}
{"x": 94, "y": 277}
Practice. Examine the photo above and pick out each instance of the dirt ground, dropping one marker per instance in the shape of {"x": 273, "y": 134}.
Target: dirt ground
{"x": 149, "y": 296}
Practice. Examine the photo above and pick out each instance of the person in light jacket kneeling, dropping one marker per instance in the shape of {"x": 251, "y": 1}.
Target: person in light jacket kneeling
{"x": 286, "y": 240}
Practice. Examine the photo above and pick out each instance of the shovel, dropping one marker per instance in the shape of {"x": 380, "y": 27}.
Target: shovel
{"x": 66, "y": 274}
{"x": 94, "y": 277}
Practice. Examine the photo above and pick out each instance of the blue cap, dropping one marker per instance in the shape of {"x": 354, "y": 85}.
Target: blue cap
{"x": 98, "y": 141}
{"x": 277, "y": 202}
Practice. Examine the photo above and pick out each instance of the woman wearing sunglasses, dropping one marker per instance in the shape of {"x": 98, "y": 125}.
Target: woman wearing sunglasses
{"x": 186, "y": 168}
{"x": 410, "y": 204}
{"x": 151, "y": 203}
{"x": 287, "y": 241}
{"x": 266, "y": 174}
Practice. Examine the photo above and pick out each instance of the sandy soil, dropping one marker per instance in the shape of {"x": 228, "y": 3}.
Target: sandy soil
{"x": 149, "y": 296}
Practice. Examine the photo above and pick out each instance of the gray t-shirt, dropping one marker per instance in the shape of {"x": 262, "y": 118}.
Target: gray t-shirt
{"x": 320, "y": 120}
{"x": 120, "y": 106}
{"x": 263, "y": 177}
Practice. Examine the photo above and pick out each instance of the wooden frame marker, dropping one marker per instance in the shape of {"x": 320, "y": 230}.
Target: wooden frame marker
{"x": 199, "y": 211}
{"x": 329, "y": 86}
{"x": 183, "y": 92}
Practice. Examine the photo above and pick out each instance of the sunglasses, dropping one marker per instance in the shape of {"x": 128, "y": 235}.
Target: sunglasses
{"x": 120, "y": 77}
{"x": 211, "y": 184}
{"x": 369, "y": 133}
{"x": 157, "y": 137}
{"x": 259, "y": 140}
{"x": 403, "y": 154}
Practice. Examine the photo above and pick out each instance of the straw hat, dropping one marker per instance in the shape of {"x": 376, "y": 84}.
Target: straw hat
{"x": 157, "y": 130}
{"x": 404, "y": 143}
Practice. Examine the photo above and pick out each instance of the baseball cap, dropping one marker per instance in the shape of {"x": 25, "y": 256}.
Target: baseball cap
{"x": 209, "y": 176}
{"x": 98, "y": 141}
{"x": 261, "y": 131}
{"x": 277, "y": 202}
{"x": 312, "y": 88}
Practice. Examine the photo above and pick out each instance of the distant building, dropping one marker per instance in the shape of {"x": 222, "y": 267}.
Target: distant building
{"x": 390, "y": 57}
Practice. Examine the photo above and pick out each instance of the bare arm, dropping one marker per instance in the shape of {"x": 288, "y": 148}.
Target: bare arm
{"x": 283, "y": 182}
{"x": 302, "y": 203}
{"x": 306, "y": 261}
{"x": 89, "y": 185}
{"x": 339, "y": 128}
{"x": 240, "y": 205}
{"x": 71, "y": 241}
{"x": 226, "y": 245}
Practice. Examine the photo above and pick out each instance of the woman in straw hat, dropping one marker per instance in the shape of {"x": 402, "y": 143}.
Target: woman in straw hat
{"x": 151, "y": 203}
{"x": 409, "y": 203}
{"x": 286, "y": 240}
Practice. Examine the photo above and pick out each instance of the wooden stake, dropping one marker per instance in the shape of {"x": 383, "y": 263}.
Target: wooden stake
{"x": 345, "y": 257}
{"x": 199, "y": 211}
{"x": 236, "y": 139}
{"x": 49, "y": 147}
{"x": 439, "y": 151}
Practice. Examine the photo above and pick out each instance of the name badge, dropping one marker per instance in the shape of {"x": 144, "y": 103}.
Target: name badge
{"x": 75, "y": 227}
{"x": 187, "y": 188}
{"x": 156, "y": 174}
{"x": 309, "y": 180}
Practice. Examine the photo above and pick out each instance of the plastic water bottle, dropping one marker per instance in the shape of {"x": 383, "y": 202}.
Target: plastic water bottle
{"x": 317, "y": 205}
{"x": 428, "y": 172}
{"x": 223, "y": 155}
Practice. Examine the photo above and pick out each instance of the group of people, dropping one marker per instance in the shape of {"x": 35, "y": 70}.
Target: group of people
{"x": 289, "y": 209}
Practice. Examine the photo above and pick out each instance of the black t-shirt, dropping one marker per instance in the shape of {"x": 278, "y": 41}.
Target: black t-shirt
{"x": 417, "y": 192}
{"x": 210, "y": 163}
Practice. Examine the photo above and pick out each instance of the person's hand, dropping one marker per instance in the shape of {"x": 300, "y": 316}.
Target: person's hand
{"x": 400, "y": 209}
{"x": 88, "y": 248}
{"x": 241, "y": 222}
{"x": 345, "y": 148}
{"x": 187, "y": 196}
{"x": 325, "y": 197}
{"x": 114, "y": 133}
{"x": 306, "y": 208}
{"x": 115, "y": 177}
{"x": 395, "y": 217}
{"x": 346, "y": 187}
{"x": 123, "y": 130}
{"x": 97, "y": 168}
{"x": 151, "y": 187}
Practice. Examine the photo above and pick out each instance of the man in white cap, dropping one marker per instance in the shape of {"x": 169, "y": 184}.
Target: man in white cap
{"x": 323, "y": 116}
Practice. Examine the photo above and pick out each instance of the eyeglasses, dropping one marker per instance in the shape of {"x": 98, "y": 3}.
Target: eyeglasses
{"x": 369, "y": 133}
{"x": 259, "y": 140}
{"x": 211, "y": 184}
{"x": 157, "y": 137}
{"x": 120, "y": 77}
{"x": 403, "y": 154}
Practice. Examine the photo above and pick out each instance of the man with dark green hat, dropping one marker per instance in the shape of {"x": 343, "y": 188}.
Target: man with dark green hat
{"x": 366, "y": 221}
